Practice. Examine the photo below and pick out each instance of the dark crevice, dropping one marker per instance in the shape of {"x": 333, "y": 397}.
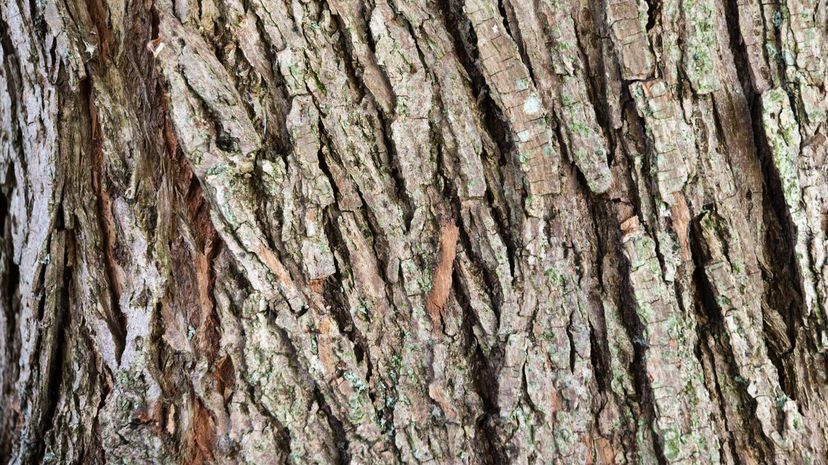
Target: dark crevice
{"x": 155, "y": 20}
{"x": 449, "y": 205}
{"x": 339, "y": 435}
{"x": 592, "y": 201}
{"x": 635, "y": 135}
{"x": 597, "y": 82}
{"x": 104, "y": 380}
{"x": 638, "y": 368}
{"x": 593, "y": 82}
{"x": 245, "y": 78}
{"x": 502, "y": 224}
{"x": 704, "y": 351}
{"x": 737, "y": 47}
{"x": 379, "y": 243}
{"x": 783, "y": 291}
{"x": 778, "y": 345}
{"x": 573, "y": 353}
{"x": 604, "y": 232}
{"x": 365, "y": 16}
{"x": 452, "y": 186}
{"x": 653, "y": 13}
{"x": 14, "y": 84}
{"x": 279, "y": 430}
{"x": 421, "y": 55}
{"x": 498, "y": 168}
{"x": 510, "y": 23}
{"x": 492, "y": 286}
{"x": 11, "y": 292}
{"x": 336, "y": 302}
{"x": 493, "y": 451}
{"x": 483, "y": 371}
{"x": 408, "y": 204}
{"x": 11, "y": 307}
{"x": 279, "y": 92}
{"x": 323, "y": 165}
{"x": 601, "y": 218}
{"x": 599, "y": 352}
{"x": 38, "y": 18}
{"x": 7, "y": 186}
{"x": 721, "y": 135}
{"x": 711, "y": 323}
{"x": 364, "y": 215}
{"x": 158, "y": 351}
{"x": 567, "y": 159}
{"x": 54, "y": 338}
{"x": 116, "y": 320}
{"x": 267, "y": 215}
{"x": 353, "y": 67}
{"x": 782, "y": 294}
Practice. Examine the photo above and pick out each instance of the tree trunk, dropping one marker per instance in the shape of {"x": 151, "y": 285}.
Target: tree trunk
{"x": 406, "y": 231}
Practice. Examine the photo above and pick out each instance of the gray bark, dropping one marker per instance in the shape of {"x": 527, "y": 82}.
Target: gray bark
{"x": 406, "y": 231}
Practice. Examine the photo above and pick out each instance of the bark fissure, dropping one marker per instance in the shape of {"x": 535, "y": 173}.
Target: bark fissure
{"x": 116, "y": 319}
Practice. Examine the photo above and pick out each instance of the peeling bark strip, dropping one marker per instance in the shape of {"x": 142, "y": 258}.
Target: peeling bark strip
{"x": 225, "y": 236}
{"x": 441, "y": 279}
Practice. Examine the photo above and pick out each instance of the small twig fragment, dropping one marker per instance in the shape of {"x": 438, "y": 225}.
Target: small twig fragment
{"x": 155, "y": 47}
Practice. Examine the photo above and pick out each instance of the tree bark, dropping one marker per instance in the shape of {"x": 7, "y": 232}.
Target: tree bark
{"x": 408, "y": 231}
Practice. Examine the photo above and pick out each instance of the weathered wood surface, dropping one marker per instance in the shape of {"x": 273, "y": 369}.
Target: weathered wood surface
{"x": 405, "y": 231}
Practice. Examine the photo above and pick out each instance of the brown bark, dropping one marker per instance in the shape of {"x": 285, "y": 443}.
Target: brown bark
{"x": 378, "y": 232}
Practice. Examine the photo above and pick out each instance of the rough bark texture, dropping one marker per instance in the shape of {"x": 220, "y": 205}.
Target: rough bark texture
{"x": 413, "y": 231}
